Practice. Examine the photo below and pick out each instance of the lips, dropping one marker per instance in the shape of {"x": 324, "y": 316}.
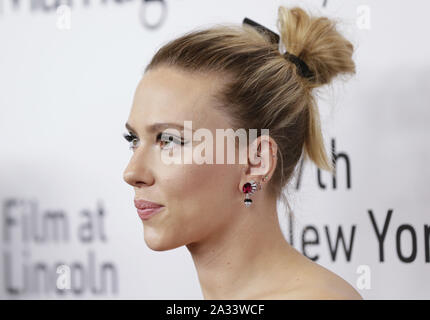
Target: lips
{"x": 146, "y": 209}
{"x": 143, "y": 204}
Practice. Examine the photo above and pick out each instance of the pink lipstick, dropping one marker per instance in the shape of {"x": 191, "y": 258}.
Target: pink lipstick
{"x": 146, "y": 209}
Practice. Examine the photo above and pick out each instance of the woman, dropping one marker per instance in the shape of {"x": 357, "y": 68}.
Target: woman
{"x": 235, "y": 77}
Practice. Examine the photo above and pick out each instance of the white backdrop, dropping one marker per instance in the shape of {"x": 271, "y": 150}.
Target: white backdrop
{"x": 67, "y": 80}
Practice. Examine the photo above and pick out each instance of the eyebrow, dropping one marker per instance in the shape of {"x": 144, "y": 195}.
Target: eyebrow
{"x": 158, "y": 127}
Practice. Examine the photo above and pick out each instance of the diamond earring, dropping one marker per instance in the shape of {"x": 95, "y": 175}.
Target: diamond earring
{"x": 248, "y": 189}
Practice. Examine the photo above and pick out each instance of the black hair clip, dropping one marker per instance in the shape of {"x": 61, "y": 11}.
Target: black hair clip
{"x": 274, "y": 37}
{"x": 302, "y": 68}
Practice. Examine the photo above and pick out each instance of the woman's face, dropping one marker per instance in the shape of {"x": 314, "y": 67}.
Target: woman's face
{"x": 199, "y": 199}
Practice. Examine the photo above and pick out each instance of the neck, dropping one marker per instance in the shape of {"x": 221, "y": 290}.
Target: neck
{"x": 247, "y": 257}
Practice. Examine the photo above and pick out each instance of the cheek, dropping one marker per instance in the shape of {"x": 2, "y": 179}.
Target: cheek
{"x": 199, "y": 200}
{"x": 197, "y": 189}
{"x": 192, "y": 179}
{"x": 204, "y": 186}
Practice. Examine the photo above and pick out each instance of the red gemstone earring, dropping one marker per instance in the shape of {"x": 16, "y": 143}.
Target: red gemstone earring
{"x": 248, "y": 189}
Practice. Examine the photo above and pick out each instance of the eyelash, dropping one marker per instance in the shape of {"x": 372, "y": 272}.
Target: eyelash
{"x": 165, "y": 137}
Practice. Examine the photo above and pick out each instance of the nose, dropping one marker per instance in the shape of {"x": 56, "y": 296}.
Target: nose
{"x": 137, "y": 173}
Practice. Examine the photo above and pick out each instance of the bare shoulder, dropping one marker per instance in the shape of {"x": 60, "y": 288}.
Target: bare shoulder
{"x": 329, "y": 291}
{"x": 328, "y": 285}
{"x": 319, "y": 283}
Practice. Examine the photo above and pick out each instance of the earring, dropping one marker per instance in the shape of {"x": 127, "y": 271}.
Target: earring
{"x": 248, "y": 189}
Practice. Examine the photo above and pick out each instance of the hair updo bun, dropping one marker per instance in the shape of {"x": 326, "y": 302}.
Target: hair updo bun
{"x": 317, "y": 42}
{"x": 261, "y": 88}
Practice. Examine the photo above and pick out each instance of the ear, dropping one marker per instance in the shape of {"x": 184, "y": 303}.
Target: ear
{"x": 262, "y": 159}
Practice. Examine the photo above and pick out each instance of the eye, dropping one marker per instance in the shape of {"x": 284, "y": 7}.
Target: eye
{"x": 166, "y": 140}
{"x": 132, "y": 138}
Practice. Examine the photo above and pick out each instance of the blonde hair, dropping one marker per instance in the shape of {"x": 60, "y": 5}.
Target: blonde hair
{"x": 262, "y": 88}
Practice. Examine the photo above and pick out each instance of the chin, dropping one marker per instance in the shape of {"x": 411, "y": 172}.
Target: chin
{"x": 160, "y": 244}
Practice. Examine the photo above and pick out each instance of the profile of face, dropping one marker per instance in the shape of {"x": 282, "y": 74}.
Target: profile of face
{"x": 199, "y": 200}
